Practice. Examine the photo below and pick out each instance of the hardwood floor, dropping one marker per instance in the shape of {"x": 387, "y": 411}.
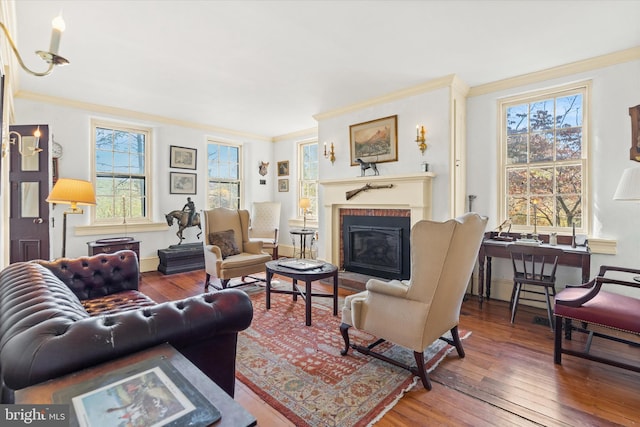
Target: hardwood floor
{"x": 507, "y": 377}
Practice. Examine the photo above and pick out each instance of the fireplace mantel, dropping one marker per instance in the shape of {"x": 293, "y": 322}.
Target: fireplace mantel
{"x": 411, "y": 192}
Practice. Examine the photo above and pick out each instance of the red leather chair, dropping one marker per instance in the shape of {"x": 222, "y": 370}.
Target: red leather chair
{"x": 595, "y": 312}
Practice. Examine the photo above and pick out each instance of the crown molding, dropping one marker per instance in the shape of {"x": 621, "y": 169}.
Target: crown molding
{"x": 104, "y": 109}
{"x": 434, "y": 84}
{"x": 311, "y": 132}
{"x": 602, "y": 61}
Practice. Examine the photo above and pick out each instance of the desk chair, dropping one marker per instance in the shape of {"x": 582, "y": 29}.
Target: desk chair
{"x": 536, "y": 266}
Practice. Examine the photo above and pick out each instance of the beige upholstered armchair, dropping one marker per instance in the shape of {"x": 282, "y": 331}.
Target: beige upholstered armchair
{"x": 265, "y": 222}
{"x": 228, "y": 253}
{"x": 416, "y": 312}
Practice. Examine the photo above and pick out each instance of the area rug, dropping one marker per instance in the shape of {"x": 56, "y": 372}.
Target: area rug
{"x": 299, "y": 371}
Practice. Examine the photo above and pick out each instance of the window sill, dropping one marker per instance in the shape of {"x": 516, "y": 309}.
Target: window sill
{"x": 299, "y": 223}
{"x": 100, "y": 229}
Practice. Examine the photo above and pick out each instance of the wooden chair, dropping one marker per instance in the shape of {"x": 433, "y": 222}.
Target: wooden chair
{"x": 534, "y": 266}
{"x": 228, "y": 252}
{"x": 416, "y": 312}
{"x": 599, "y": 313}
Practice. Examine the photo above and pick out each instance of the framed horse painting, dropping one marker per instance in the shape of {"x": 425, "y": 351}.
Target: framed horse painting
{"x": 375, "y": 141}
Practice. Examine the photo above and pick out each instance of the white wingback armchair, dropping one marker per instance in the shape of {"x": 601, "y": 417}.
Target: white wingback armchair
{"x": 228, "y": 252}
{"x": 265, "y": 222}
{"x": 416, "y": 312}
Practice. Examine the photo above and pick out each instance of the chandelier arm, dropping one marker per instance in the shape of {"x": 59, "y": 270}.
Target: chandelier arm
{"x": 22, "y": 64}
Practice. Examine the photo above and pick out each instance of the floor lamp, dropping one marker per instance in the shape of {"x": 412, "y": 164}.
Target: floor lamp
{"x": 629, "y": 189}
{"x": 72, "y": 192}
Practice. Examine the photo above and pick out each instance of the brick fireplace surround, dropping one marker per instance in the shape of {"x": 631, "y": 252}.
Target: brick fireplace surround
{"x": 409, "y": 196}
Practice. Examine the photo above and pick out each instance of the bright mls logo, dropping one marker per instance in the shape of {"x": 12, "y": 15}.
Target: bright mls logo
{"x": 34, "y": 415}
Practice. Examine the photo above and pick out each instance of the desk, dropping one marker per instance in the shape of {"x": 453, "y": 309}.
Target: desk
{"x": 303, "y": 233}
{"x": 233, "y": 415}
{"x": 579, "y": 257}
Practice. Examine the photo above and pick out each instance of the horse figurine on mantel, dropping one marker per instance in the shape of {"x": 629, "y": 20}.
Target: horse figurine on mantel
{"x": 183, "y": 222}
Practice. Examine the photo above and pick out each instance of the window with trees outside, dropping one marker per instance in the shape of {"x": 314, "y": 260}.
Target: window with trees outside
{"x": 308, "y": 176}
{"x": 121, "y": 166}
{"x": 223, "y": 169}
{"x": 544, "y": 159}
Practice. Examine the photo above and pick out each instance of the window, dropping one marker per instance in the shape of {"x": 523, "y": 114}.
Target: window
{"x": 223, "y": 168}
{"x": 308, "y": 176}
{"x": 121, "y": 165}
{"x": 544, "y": 158}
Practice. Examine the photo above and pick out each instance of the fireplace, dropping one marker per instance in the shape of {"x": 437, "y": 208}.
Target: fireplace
{"x": 377, "y": 245}
{"x": 409, "y": 197}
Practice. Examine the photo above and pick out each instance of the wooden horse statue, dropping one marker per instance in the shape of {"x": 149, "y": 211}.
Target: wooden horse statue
{"x": 183, "y": 222}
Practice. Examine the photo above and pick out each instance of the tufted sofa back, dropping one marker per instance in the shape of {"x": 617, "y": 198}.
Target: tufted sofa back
{"x": 97, "y": 276}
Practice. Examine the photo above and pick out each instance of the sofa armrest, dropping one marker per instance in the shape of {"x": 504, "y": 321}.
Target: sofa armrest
{"x": 54, "y": 345}
{"x": 99, "y": 275}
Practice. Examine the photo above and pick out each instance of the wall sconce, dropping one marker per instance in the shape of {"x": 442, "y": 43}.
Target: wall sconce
{"x": 51, "y": 57}
{"x": 304, "y": 204}
{"x": 30, "y": 151}
{"x": 420, "y": 138}
{"x": 72, "y": 192}
{"x": 331, "y": 154}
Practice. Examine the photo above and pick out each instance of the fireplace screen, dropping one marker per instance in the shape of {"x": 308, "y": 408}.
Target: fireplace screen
{"x": 377, "y": 250}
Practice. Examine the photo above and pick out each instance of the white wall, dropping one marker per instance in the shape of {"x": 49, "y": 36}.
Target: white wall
{"x": 71, "y": 128}
{"x": 614, "y": 90}
{"x": 430, "y": 109}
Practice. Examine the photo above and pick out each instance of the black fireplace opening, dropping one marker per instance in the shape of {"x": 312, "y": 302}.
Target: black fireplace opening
{"x": 377, "y": 245}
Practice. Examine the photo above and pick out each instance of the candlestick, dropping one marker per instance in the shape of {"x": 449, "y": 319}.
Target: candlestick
{"x": 58, "y": 27}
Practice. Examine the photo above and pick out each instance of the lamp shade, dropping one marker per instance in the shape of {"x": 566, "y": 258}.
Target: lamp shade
{"x": 72, "y": 192}
{"x": 629, "y": 185}
{"x": 305, "y": 203}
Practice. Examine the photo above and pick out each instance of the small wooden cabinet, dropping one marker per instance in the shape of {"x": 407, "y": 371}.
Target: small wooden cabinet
{"x": 108, "y": 246}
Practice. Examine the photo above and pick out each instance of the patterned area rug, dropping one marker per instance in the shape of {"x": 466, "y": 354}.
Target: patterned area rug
{"x": 299, "y": 371}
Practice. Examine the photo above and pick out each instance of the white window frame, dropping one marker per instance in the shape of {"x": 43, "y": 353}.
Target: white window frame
{"x": 120, "y": 208}
{"x": 211, "y": 179}
{"x": 312, "y": 213}
{"x": 585, "y": 89}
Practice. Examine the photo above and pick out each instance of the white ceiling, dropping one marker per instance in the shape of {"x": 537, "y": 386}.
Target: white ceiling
{"x": 266, "y": 67}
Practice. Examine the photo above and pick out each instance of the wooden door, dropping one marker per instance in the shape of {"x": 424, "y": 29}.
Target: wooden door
{"x": 29, "y": 186}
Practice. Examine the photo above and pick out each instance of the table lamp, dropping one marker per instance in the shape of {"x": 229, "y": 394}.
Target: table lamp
{"x": 304, "y": 204}
{"x": 72, "y": 192}
{"x": 629, "y": 189}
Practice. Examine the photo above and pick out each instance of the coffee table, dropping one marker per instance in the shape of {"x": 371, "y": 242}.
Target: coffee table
{"x": 323, "y": 271}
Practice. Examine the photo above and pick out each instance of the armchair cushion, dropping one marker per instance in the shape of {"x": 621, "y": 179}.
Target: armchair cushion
{"x": 226, "y": 241}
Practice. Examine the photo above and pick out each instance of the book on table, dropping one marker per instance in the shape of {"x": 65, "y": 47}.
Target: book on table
{"x": 300, "y": 264}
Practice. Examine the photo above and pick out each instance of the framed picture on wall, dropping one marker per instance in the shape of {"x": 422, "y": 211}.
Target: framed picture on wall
{"x": 634, "y": 152}
{"x": 182, "y": 157}
{"x": 374, "y": 141}
{"x": 283, "y": 185}
{"x": 182, "y": 183}
{"x": 283, "y": 168}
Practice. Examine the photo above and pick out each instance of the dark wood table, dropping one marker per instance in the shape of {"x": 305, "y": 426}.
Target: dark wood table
{"x": 323, "y": 271}
{"x": 233, "y": 415}
{"x": 579, "y": 257}
{"x": 303, "y": 233}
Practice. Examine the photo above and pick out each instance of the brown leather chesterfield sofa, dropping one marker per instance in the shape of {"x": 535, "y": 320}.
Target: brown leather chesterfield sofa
{"x": 57, "y": 317}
